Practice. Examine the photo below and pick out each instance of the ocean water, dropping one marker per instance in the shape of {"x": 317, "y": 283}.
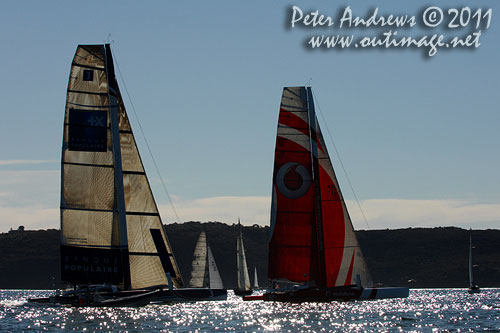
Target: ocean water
{"x": 426, "y": 310}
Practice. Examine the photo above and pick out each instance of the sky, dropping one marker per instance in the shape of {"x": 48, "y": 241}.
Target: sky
{"x": 417, "y": 135}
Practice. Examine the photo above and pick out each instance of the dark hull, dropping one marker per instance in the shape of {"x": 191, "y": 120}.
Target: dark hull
{"x": 106, "y": 299}
{"x": 331, "y": 294}
{"x": 239, "y": 292}
{"x": 190, "y": 295}
{"x": 474, "y": 289}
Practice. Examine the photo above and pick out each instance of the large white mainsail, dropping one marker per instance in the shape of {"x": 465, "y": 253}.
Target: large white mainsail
{"x": 111, "y": 231}
{"x": 241, "y": 262}
{"x": 199, "y": 269}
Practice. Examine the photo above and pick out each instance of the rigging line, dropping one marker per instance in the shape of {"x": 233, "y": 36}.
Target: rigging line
{"x": 145, "y": 139}
{"x": 340, "y": 160}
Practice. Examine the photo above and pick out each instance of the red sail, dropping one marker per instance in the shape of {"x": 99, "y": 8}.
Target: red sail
{"x": 312, "y": 238}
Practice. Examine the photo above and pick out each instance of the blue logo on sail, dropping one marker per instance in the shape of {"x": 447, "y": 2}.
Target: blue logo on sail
{"x": 88, "y": 130}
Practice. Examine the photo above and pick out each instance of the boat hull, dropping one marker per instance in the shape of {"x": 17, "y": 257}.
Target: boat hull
{"x": 474, "y": 290}
{"x": 130, "y": 298}
{"x": 190, "y": 295}
{"x": 332, "y": 294}
{"x": 239, "y": 292}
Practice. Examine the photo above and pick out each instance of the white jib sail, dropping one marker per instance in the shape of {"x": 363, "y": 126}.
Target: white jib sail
{"x": 243, "y": 278}
{"x": 213, "y": 273}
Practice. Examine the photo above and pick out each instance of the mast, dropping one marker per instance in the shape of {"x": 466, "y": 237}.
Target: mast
{"x": 318, "y": 216}
{"x": 117, "y": 157}
{"x": 241, "y": 262}
{"x": 471, "y": 278}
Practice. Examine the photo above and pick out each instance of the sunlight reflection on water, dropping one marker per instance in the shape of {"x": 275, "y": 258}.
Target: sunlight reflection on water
{"x": 427, "y": 310}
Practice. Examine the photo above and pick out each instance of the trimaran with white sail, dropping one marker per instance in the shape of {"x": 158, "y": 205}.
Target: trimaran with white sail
{"x": 313, "y": 252}
{"x": 113, "y": 244}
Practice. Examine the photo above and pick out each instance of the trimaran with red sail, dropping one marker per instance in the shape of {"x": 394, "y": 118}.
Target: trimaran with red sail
{"x": 313, "y": 252}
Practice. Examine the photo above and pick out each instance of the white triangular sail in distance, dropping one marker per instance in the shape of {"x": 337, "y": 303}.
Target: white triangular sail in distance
{"x": 111, "y": 230}
{"x": 199, "y": 269}
{"x": 255, "y": 279}
{"x": 241, "y": 262}
{"x": 204, "y": 272}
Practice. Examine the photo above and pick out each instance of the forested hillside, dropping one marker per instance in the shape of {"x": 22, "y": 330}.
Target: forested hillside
{"x": 418, "y": 258}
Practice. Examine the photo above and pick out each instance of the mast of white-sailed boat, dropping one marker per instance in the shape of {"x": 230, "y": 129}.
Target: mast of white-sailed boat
{"x": 115, "y": 138}
{"x": 471, "y": 278}
{"x": 242, "y": 269}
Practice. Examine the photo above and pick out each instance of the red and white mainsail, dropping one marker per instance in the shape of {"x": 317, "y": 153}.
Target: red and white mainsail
{"x": 111, "y": 230}
{"x": 312, "y": 238}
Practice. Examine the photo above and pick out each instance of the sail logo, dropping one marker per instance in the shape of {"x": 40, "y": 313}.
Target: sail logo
{"x": 293, "y": 180}
{"x": 87, "y": 130}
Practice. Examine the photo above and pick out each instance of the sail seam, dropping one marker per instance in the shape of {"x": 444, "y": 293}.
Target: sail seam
{"x": 112, "y": 247}
{"x": 148, "y": 254}
{"x": 87, "y": 66}
{"x": 140, "y": 173}
{"x": 89, "y": 165}
{"x": 299, "y": 108}
{"x": 88, "y": 92}
{"x": 89, "y": 209}
{"x": 89, "y": 106}
{"x": 142, "y": 213}
{"x": 84, "y": 47}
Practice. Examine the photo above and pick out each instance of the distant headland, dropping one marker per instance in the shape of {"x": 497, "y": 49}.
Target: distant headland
{"x": 413, "y": 257}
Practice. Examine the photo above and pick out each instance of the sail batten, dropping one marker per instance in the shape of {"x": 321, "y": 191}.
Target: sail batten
{"x": 312, "y": 238}
{"x": 111, "y": 231}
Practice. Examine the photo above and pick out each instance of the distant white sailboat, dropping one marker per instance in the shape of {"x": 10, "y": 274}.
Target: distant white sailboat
{"x": 473, "y": 287}
{"x": 255, "y": 279}
{"x": 244, "y": 287}
{"x": 204, "y": 272}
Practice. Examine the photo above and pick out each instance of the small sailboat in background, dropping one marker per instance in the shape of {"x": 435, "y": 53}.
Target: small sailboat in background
{"x": 204, "y": 272}
{"x": 244, "y": 287}
{"x": 313, "y": 252}
{"x": 473, "y": 287}
{"x": 255, "y": 279}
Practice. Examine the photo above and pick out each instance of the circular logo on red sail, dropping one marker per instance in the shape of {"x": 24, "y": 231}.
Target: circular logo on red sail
{"x": 293, "y": 180}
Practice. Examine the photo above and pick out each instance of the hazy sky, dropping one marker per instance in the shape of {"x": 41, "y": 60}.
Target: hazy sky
{"x": 418, "y": 135}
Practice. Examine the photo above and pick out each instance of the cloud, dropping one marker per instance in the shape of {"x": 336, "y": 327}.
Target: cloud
{"x": 380, "y": 213}
{"x": 403, "y": 213}
{"x": 31, "y": 217}
{"x": 29, "y": 188}
{"x": 227, "y": 209}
